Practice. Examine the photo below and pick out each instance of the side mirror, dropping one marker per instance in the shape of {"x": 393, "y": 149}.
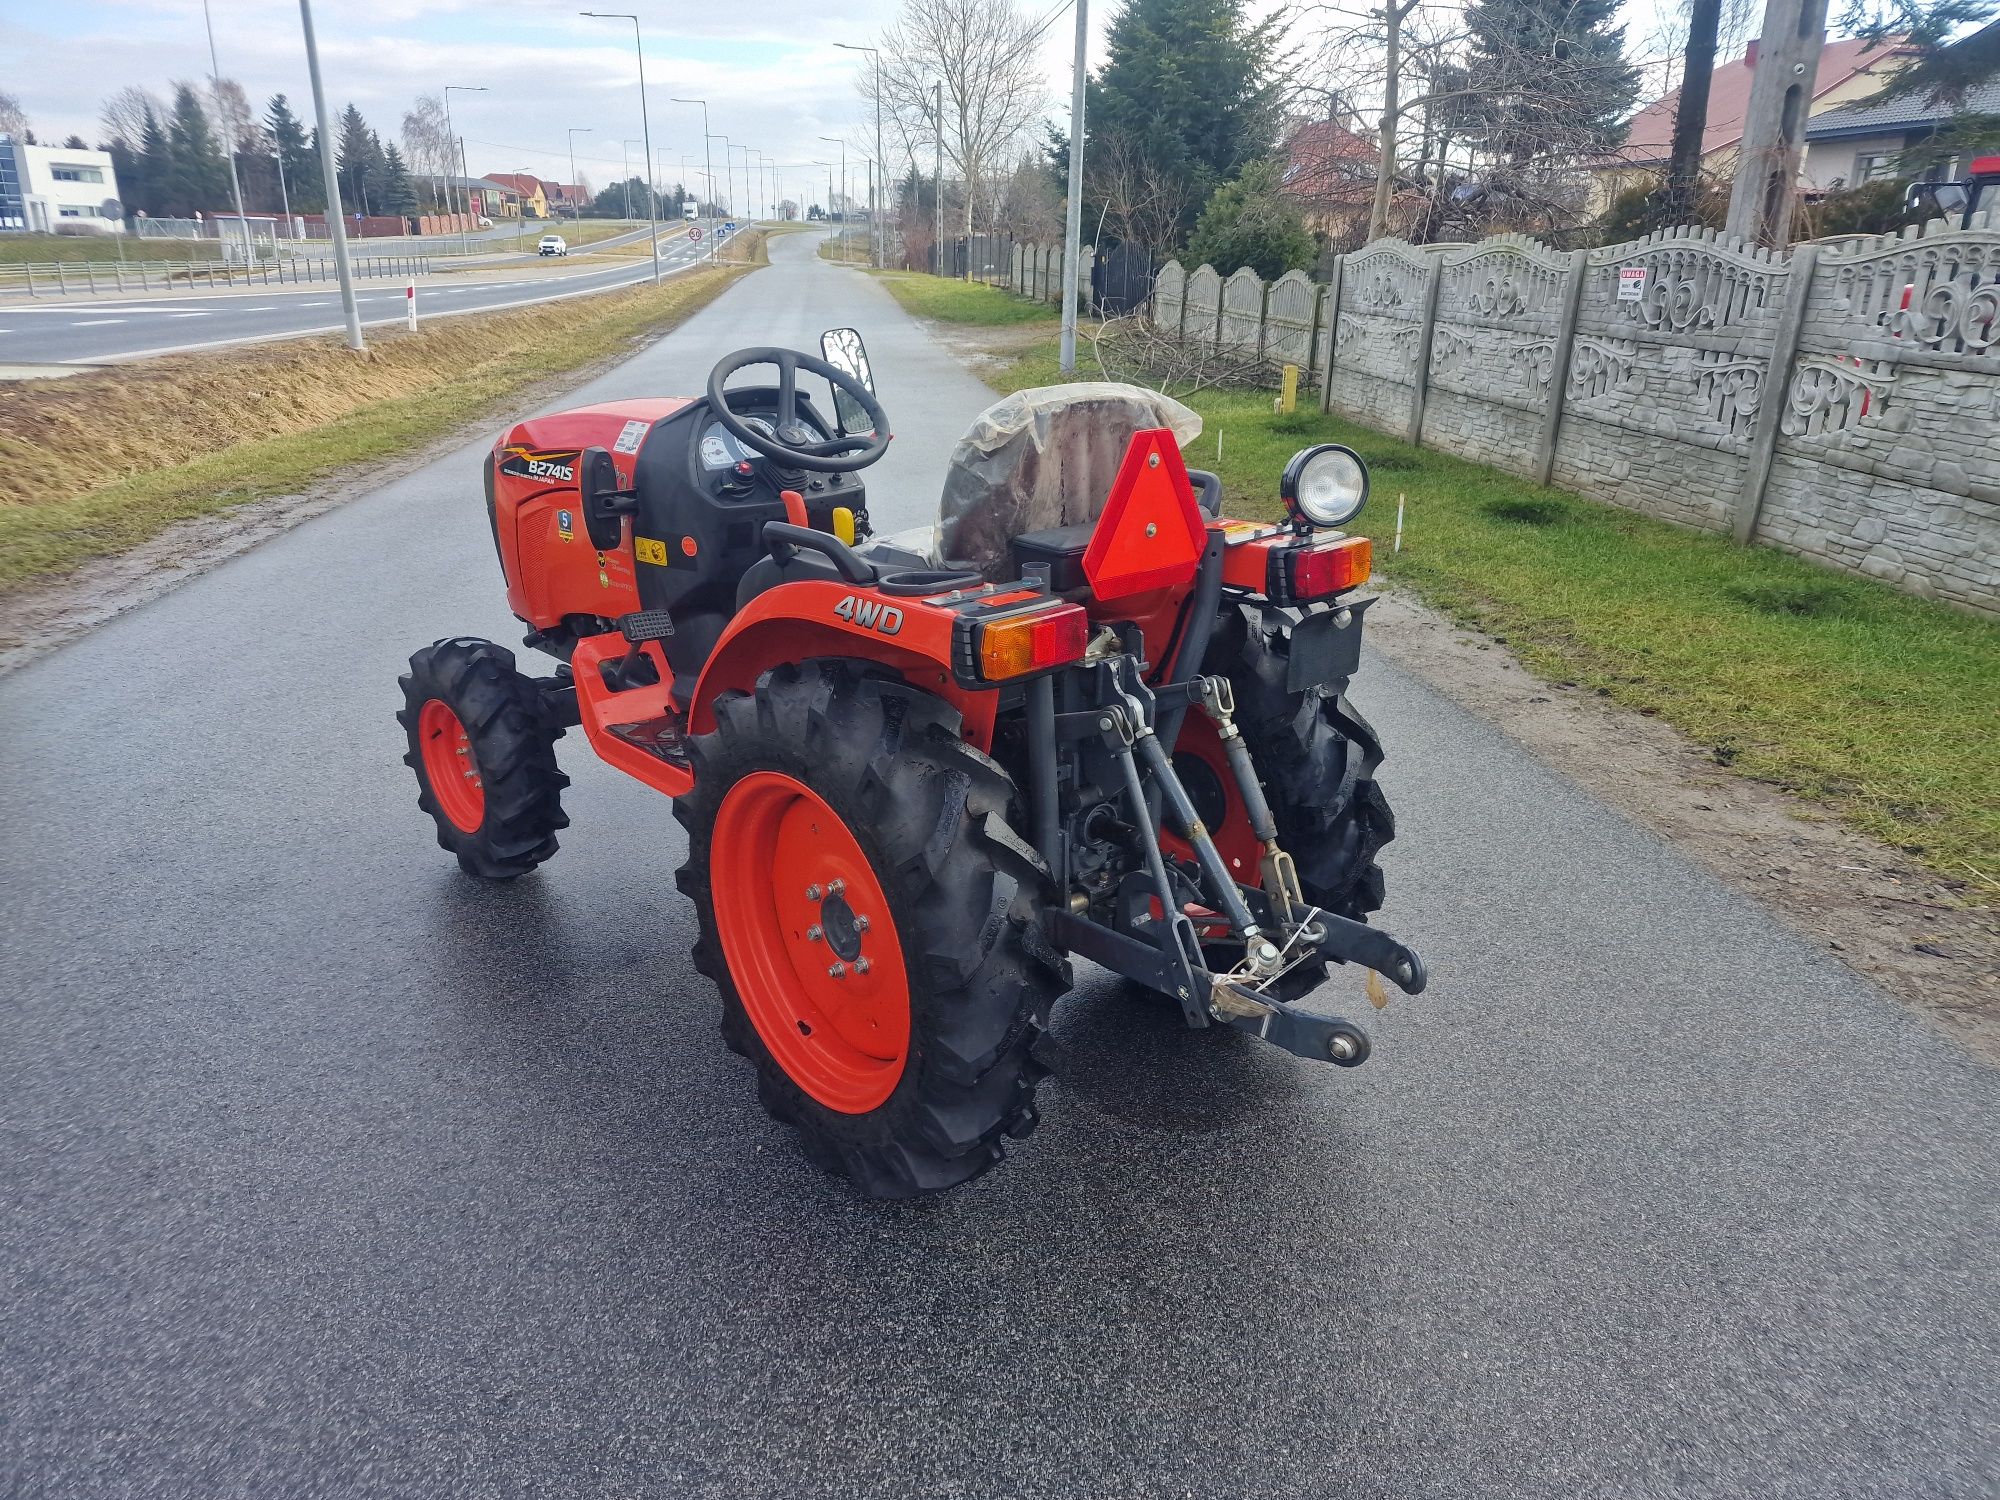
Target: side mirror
{"x": 606, "y": 502}
{"x": 842, "y": 348}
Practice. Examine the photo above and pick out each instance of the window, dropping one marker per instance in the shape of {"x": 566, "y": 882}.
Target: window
{"x": 1870, "y": 166}
{"x": 76, "y": 174}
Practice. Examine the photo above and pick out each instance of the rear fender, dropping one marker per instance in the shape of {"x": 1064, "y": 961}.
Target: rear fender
{"x": 795, "y": 622}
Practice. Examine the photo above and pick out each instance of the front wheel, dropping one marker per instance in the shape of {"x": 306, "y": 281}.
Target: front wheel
{"x": 873, "y": 924}
{"x": 484, "y": 756}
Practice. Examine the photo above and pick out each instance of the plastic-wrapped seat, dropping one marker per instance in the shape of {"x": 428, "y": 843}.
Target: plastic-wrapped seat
{"x": 1037, "y": 459}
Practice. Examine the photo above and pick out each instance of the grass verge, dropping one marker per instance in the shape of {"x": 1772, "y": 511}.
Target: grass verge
{"x": 1883, "y": 708}
{"x": 98, "y": 463}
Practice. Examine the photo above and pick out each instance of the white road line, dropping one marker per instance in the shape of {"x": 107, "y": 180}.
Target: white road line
{"x": 258, "y": 309}
{"x": 98, "y": 323}
{"x": 188, "y": 315}
{"x": 312, "y": 304}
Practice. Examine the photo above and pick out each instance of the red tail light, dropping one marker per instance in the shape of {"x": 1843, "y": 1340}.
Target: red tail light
{"x": 1317, "y": 572}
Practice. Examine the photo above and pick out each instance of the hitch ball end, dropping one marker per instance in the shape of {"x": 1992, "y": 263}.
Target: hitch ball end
{"x": 1347, "y": 1046}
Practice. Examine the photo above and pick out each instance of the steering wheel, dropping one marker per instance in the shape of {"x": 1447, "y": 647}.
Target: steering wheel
{"x": 794, "y": 445}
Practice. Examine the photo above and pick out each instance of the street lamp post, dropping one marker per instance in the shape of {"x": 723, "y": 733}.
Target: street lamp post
{"x": 829, "y": 185}
{"x": 937, "y": 175}
{"x": 330, "y": 176}
{"x": 450, "y": 192}
{"x": 838, "y": 141}
{"x": 646, "y": 129}
{"x": 228, "y": 145}
{"x": 708, "y": 166}
{"x": 877, "y": 239}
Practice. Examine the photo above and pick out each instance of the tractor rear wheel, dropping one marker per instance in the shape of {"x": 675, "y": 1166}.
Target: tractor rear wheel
{"x": 484, "y": 756}
{"x": 872, "y": 921}
{"x": 1317, "y": 758}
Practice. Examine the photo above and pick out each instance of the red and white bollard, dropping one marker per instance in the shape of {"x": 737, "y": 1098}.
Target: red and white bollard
{"x": 410, "y": 301}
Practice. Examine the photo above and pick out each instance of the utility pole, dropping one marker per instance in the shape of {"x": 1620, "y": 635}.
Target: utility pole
{"x": 228, "y": 144}
{"x": 878, "y": 240}
{"x": 708, "y": 167}
{"x": 574, "y": 180}
{"x": 1073, "y": 217}
{"x": 331, "y": 175}
{"x": 1781, "y": 92}
{"x": 646, "y": 130}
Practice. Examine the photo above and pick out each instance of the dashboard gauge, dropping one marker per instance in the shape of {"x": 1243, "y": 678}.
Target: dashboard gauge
{"x": 760, "y": 425}
{"x": 716, "y": 450}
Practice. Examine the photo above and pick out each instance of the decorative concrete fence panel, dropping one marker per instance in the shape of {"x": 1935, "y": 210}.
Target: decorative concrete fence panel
{"x": 1204, "y": 304}
{"x": 1243, "y": 311}
{"x": 1291, "y": 320}
{"x": 1169, "y": 296}
{"x": 1668, "y": 365}
{"x": 1499, "y": 312}
{"x": 1887, "y": 455}
{"x": 1378, "y": 328}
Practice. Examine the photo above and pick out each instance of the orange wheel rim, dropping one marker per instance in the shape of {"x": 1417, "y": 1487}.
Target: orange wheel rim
{"x": 810, "y": 944}
{"x": 450, "y": 767}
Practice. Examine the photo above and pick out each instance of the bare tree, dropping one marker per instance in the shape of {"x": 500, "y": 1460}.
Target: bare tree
{"x": 982, "y": 52}
{"x": 124, "y": 114}
{"x": 428, "y": 146}
{"x": 13, "y": 119}
{"x": 236, "y": 127}
{"x": 1465, "y": 140}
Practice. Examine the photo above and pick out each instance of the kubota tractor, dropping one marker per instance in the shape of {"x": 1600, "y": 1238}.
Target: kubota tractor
{"x": 1083, "y": 716}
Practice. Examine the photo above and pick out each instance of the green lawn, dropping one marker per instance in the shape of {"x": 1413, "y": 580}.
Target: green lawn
{"x": 1880, "y": 707}
{"x": 969, "y": 302}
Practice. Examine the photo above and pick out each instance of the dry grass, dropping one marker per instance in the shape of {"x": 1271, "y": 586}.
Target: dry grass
{"x": 101, "y": 462}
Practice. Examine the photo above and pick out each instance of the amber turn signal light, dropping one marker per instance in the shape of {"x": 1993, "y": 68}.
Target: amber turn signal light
{"x": 1021, "y": 644}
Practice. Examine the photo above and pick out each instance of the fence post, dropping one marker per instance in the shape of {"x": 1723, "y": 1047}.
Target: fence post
{"x": 1332, "y": 333}
{"x": 1572, "y": 305}
{"x": 62, "y": 279}
{"x": 1425, "y": 329}
{"x": 1263, "y": 316}
{"x": 1771, "y": 405}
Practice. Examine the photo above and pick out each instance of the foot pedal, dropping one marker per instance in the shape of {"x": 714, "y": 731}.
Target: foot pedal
{"x": 661, "y": 737}
{"x": 644, "y": 625}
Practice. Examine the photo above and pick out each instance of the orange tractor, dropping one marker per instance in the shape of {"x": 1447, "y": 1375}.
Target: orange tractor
{"x": 1085, "y": 716}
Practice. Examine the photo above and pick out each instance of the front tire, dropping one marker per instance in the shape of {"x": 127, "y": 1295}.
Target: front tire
{"x": 872, "y": 922}
{"x": 484, "y": 756}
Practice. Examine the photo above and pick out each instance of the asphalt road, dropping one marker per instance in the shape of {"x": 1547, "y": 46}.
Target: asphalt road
{"x": 84, "y": 330}
{"x": 325, "y": 1171}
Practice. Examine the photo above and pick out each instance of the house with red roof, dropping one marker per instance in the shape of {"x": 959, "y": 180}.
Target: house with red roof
{"x": 1329, "y": 173}
{"x": 1849, "y": 70}
{"x": 530, "y": 190}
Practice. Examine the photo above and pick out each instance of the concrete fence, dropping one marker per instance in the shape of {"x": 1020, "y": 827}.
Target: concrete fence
{"x": 1840, "y": 403}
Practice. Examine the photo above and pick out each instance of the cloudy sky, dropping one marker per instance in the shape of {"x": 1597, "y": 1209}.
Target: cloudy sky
{"x": 774, "y": 80}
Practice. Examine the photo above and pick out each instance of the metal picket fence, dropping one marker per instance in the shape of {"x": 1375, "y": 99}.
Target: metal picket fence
{"x": 94, "y": 278}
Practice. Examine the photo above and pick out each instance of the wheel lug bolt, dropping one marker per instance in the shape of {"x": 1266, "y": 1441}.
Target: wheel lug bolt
{"x": 834, "y": 888}
{"x": 813, "y": 933}
{"x": 860, "y": 924}
{"x": 812, "y": 893}
{"x": 861, "y": 966}
{"x": 837, "y": 970}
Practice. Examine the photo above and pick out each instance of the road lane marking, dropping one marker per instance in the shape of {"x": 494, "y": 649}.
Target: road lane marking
{"x": 98, "y": 323}
{"x": 188, "y": 315}
{"x": 132, "y": 356}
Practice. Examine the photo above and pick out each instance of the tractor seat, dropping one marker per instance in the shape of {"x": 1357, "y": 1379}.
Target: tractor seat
{"x": 1034, "y": 461}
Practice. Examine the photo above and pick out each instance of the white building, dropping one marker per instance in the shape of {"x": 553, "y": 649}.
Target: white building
{"x": 52, "y": 188}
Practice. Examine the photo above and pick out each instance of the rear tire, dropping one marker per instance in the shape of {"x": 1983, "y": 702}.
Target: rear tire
{"x": 484, "y": 756}
{"x": 859, "y": 775}
{"x": 1317, "y": 758}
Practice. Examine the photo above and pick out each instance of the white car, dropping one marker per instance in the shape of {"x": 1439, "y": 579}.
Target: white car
{"x": 553, "y": 244}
